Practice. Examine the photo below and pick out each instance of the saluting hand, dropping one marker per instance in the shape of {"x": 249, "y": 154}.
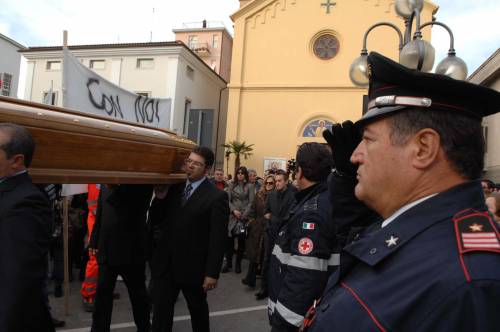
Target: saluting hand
{"x": 343, "y": 140}
{"x": 209, "y": 284}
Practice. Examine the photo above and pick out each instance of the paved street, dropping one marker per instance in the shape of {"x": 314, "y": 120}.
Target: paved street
{"x": 232, "y": 308}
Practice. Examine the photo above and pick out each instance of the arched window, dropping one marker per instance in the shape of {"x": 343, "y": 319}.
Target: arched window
{"x": 315, "y": 128}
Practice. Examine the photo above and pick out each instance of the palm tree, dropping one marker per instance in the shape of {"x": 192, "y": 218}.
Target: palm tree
{"x": 238, "y": 149}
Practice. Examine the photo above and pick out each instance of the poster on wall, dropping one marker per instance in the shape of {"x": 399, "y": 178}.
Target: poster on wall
{"x": 274, "y": 163}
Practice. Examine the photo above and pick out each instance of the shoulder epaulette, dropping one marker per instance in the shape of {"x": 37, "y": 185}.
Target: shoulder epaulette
{"x": 475, "y": 231}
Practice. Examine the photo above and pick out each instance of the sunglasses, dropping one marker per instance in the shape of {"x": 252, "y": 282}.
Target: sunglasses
{"x": 240, "y": 173}
{"x": 269, "y": 182}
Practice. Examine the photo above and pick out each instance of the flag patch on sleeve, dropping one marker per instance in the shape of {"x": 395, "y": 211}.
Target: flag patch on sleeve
{"x": 308, "y": 225}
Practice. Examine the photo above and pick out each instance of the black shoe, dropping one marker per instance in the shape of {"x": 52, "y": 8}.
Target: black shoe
{"x": 261, "y": 295}
{"x": 244, "y": 281}
{"x": 58, "y": 292}
{"x": 57, "y": 322}
{"x": 226, "y": 269}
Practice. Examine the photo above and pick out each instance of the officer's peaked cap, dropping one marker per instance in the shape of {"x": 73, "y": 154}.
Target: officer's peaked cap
{"x": 394, "y": 88}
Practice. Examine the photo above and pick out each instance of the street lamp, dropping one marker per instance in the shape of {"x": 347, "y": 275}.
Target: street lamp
{"x": 414, "y": 53}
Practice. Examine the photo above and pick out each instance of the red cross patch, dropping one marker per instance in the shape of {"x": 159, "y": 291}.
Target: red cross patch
{"x": 305, "y": 245}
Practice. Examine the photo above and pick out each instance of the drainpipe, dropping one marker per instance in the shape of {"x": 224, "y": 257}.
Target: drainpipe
{"x": 218, "y": 122}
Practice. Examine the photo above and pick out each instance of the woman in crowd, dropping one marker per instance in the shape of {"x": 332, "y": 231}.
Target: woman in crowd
{"x": 257, "y": 235}
{"x": 241, "y": 196}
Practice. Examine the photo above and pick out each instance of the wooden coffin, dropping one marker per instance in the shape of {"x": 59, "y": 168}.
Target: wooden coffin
{"x": 74, "y": 147}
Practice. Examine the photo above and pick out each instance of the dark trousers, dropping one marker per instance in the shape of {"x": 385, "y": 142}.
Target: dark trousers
{"x": 165, "y": 292}
{"x": 268, "y": 250}
{"x": 135, "y": 280}
{"x": 251, "y": 274}
{"x": 240, "y": 241}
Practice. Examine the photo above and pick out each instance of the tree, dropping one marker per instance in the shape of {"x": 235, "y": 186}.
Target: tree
{"x": 238, "y": 149}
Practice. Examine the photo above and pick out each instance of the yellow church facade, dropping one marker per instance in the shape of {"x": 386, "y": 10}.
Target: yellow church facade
{"x": 290, "y": 70}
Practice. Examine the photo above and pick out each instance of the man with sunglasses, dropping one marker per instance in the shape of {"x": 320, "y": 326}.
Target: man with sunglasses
{"x": 191, "y": 225}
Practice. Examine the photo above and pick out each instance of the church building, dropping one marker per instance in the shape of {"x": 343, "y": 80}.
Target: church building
{"x": 290, "y": 70}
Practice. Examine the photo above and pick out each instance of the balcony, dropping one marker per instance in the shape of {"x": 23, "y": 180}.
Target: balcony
{"x": 200, "y": 48}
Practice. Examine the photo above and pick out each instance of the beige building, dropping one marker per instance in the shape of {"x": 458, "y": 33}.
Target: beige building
{"x": 158, "y": 69}
{"x": 290, "y": 69}
{"x": 488, "y": 74}
{"x": 211, "y": 42}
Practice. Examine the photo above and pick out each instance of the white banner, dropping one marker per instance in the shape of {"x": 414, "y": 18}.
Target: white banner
{"x": 73, "y": 189}
{"x": 90, "y": 93}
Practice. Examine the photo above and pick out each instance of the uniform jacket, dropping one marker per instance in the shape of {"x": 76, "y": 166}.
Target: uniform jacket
{"x": 119, "y": 231}
{"x": 241, "y": 198}
{"x": 412, "y": 276}
{"x": 25, "y": 219}
{"x": 302, "y": 259}
{"x": 191, "y": 238}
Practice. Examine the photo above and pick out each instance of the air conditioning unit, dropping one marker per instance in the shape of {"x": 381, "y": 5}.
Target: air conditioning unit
{"x": 5, "y": 84}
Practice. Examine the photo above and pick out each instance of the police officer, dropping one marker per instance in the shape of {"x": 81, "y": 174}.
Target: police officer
{"x": 303, "y": 254}
{"x": 432, "y": 261}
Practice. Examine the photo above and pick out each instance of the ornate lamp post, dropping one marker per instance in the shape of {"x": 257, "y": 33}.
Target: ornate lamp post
{"x": 415, "y": 52}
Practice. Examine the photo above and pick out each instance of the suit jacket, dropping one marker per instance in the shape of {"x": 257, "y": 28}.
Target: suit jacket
{"x": 191, "y": 238}
{"x": 25, "y": 219}
{"x": 279, "y": 204}
{"x": 119, "y": 231}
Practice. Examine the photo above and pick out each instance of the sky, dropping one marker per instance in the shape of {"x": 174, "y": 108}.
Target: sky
{"x": 41, "y": 22}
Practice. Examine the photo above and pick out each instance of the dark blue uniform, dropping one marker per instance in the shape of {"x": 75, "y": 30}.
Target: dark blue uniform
{"x": 302, "y": 259}
{"x": 436, "y": 267}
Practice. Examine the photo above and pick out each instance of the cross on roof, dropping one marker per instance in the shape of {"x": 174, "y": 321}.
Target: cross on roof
{"x": 328, "y": 4}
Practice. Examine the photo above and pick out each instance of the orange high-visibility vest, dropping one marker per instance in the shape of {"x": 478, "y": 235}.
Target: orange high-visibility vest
{"x": 89, "y": 285}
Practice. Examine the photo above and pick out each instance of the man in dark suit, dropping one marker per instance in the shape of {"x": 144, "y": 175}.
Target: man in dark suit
{"x": 191, "y": 225}
{"x": 278, "y": 205}
{"x": 25, "y": 219}
{"x": 119, "y": 241}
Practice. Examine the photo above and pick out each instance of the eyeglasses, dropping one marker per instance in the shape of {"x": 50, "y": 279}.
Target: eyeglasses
{"x": 194, "y": 162}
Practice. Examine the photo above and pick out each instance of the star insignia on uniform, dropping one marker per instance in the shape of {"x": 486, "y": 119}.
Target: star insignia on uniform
{"x": 392, "y": 241}
{"x": 476, "y": 228}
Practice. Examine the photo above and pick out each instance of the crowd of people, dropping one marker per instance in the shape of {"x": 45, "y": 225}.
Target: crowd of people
{"x": 386, "y": 227}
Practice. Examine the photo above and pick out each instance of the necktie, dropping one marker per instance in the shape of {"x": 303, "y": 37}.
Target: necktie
{"x": 187, "y": 193}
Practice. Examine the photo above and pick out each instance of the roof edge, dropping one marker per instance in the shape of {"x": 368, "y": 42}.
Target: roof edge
{"x": 12, "y": 41}
{"x": 124, "y": 45}
{"x": 101, "y": 46}
{"x": 483, "y": 66}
